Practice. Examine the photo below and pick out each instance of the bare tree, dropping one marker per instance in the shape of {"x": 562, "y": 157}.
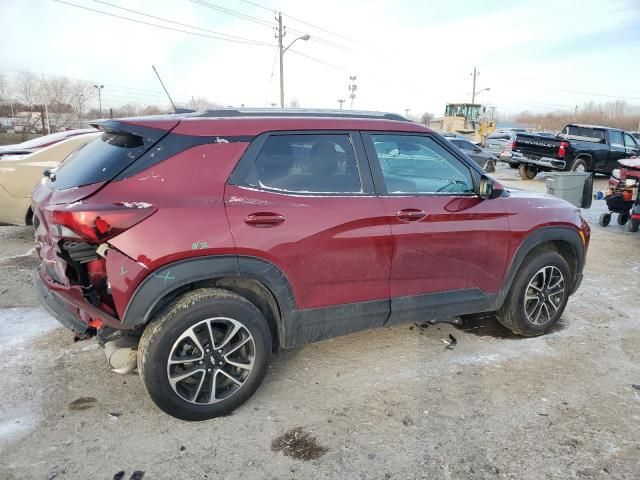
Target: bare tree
{"x": 426, "y": 118}
{"x": 28, "y": 91}
{"x": 202, "y": 103}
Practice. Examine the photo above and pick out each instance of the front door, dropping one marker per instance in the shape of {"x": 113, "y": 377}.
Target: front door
{"x": 450, "y": 246}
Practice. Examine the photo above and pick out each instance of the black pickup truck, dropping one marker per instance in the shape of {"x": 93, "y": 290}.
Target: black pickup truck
{"x": 577, "y": 148}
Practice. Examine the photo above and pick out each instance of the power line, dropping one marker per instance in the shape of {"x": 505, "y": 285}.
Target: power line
{"x": 317, "y": 27}
{"x": 264, "y": 23}
{"x": 233, "y": 13}
{"x": 176, "y": 23}
{"x": 247, "y": 41}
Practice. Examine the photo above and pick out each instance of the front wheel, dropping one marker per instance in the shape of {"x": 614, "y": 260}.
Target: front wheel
{"x": 538, "y": 294}
{"x": 490, "y": 166}
{"x": 633, "y": 225}
{"x": 527, "y": 172}
{"x": 204, "y": 354}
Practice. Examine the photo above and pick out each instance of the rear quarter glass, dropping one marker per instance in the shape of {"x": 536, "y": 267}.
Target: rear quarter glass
{"x": 105, "y": 157}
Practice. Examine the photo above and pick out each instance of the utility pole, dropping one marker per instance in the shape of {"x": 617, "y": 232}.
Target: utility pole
{"x": 99, "y": 88}
{"x": 46, "y": 108}
{"x": 341, "y": 101}
{"x": 352, "y": 89}
{"x": 281, "y": 33}
{"x": 473, "y": 95}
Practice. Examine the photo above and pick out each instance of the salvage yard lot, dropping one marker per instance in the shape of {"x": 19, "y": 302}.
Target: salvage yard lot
{"x": 389, "y": 403}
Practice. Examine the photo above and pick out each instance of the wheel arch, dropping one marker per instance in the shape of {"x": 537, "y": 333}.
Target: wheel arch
{"x": 259, "y": 281}
{"x": 564, "y": 240}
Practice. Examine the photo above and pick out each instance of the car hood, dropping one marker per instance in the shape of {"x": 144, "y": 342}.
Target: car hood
{"x": 539, "y": 200}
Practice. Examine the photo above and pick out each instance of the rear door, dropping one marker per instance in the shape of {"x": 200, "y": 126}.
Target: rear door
{"x": 304, "y": 201}
{"x": 450, "y": 246}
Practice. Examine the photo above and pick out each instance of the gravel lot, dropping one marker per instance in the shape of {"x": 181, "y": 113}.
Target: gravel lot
{"x": 390, "y": 403}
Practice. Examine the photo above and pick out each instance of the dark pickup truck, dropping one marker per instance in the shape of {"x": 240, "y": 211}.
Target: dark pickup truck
{"x": 577, "y": 148}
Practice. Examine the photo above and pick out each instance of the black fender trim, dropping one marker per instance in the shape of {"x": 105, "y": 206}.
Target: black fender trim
{"x": 170, "y": 278}
{"x": 533, "y": 240}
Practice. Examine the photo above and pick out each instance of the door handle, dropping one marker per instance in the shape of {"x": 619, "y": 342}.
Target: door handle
{"x": 411, "y": 215}
{"x": 264, "y": 219}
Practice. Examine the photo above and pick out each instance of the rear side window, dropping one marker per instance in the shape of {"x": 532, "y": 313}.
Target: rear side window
{"x": 306, "y": 164}
{"x": 103, "y": 158}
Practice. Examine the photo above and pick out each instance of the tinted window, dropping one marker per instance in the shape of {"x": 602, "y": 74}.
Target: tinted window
{"x": 584, "y": 133}
{"x": 100, "y": 160}
{"x": 306, "y": 164}
{"x": 418, "y": 164}
{"x": 499, "y": 136}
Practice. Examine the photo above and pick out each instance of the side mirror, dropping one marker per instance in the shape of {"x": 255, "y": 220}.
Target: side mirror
{"x": 489, "y": 188}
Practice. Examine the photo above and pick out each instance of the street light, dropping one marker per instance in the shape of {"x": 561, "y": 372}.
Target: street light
{"x": 475, "y": 94}
{"x": 282, "y": 50}
{"x": 99, "y": 88}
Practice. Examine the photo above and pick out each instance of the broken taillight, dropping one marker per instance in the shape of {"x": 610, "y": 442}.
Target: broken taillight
{"x": 96, "y": 223}
{"x": 562, "y": 149}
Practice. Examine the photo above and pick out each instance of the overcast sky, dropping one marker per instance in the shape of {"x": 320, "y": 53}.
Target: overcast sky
{"x": 539, "y": 55}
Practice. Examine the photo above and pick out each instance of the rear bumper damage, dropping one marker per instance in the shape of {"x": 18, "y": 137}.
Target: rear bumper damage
{"x": 70, "y": 308}
{"x": 60, "y": 310}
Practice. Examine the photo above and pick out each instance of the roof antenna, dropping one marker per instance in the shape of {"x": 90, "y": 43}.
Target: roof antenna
{"x": 175, "y": 110}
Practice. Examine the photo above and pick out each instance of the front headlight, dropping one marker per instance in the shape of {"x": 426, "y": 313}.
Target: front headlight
{"x": 616, "y": 173}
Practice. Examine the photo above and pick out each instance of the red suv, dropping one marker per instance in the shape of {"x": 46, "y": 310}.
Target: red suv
{"x": 209, "y": 240}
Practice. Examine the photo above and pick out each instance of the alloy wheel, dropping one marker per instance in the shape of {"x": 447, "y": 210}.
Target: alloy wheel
{"x": 544, "y": 295}
{"x": 211, "y": 360}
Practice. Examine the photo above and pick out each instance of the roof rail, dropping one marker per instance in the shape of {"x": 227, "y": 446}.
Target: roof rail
{"x": 297, "y": 112}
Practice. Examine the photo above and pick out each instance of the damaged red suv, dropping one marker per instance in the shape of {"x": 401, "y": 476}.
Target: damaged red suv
{"x": 206, "y": 241}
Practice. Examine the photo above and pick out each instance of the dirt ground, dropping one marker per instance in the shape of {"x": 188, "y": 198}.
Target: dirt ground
{"x": 383, "y": 404}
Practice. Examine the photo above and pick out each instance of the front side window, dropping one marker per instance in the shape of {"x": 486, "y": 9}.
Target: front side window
{"x": 306, "y": 164}
{"x": 630, "y": 143}
{"x": 418, "y": 164}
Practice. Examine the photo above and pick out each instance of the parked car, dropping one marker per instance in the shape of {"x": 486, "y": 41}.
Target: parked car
{"x": 34, "y": 144}
{"x": 482, "y": 157}
{"x": 500, "y": 144}
{"x": 577, "y": 148}
{"x": 205, "y": 241}
{"x": 19, "y": 174}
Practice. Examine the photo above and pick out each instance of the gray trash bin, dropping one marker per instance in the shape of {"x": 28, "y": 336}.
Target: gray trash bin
{"x": 569, "y": 186}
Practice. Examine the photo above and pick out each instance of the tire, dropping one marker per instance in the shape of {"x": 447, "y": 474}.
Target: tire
{"x": 527, "y": 172}
{"x": 490, "y": 166}
{"x": 579, "y": 165}
{"x": 514, "y": 164}
{"x": 633, "y": 225}
{"x": 225, "y": 313}
{"x": 623, "y": 218}
{"x": 528, "y": 318}
{"x": 604, "y": 219}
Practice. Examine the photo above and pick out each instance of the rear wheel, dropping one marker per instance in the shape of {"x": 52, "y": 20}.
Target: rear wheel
{"x": 633, "y": 225}
{"x": 514, "y": 164}
{"x": 204, "y": 354}
{"x": 538, "y": 294}
{"x": 604, "y": 219}
{"x": 579, "y": 165}
{"x": 527, "y": 172}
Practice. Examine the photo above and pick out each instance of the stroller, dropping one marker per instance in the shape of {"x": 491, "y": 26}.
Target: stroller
{"x": 623, "y": 195}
